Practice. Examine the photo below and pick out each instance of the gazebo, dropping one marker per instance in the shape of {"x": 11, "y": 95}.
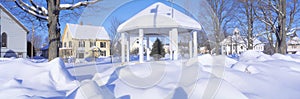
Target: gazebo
{"x": 158, "y": 19}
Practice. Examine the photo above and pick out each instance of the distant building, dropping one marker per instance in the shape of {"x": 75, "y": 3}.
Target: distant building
{"x": 293, "y": 45}
{"x": 45, "y": 51}
{"x": 236, "y": 44}
{"x": 258, "y": 45}
{"x": 82, "y": 41}
{"x": 13, "y": 35}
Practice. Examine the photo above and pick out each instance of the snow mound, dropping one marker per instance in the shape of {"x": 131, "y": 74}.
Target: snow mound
{"x": 205, "y": 59}
{"x": 208, "y": 59}
{"x": 264, "y": 57}
{"x": 295, "y": 58}
{"x": 250, "y": 55}
{"x": 21, "y": 78}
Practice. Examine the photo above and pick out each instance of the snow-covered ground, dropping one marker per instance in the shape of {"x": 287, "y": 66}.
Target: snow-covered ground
{"x": 24, "y": 79}
{"x": 252, "y": 75}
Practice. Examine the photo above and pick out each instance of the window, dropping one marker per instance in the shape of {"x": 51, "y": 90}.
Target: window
{"x": 4, "y": 40}
{"x": 80, "y": 55}
{"x": 102, "y": 53}
{"x": 92, "y": 44}
{"x": 65, "y": 44}
{"x": 81, "y": 44}
{"x": 102, "y": 44}
{"x": 70, "y": 44}
{"x": 293, "y": 46}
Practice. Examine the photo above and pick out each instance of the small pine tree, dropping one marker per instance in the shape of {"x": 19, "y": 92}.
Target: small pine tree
{"x": 157, "y": 50}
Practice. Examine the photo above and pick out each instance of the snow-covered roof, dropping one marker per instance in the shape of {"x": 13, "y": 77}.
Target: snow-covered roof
{"x": 13, "y": 17}
{"x": 159, "y": 15}
{"x": 256, "y": 41}
{"x": 294, "y": 40}
{"x": 87, "y": 32}
{"x": 237, "y": 38}
{"x": 233, "y": 39}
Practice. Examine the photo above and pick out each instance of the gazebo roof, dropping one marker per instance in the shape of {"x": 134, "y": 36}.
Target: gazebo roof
{"x": 159, "y": 15}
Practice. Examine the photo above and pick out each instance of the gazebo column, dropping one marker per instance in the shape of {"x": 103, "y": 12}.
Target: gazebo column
{"x": 123, "y": 47}
{"x": 195, "y": 43}
{"x": 170, "y": 45}
{"x": 141, "y": 47}
{"x": 128, "y": 48}
{"x": 191, "y": 49}
{"x": 174, "y": 39}
{"x": 148, "y": 48}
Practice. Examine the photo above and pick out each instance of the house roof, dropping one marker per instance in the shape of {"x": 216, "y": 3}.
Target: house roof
{"x": 159, "y": 15}
{"x": 294, "y": 40}
{"x": 87, "y": 32}
{"x": 13, "y": 17}
{"x": 256, "y": 41}
{"x": 233, "y": 39}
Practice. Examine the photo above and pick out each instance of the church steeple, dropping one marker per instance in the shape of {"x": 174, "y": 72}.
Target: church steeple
{"x": 236, "y": 31}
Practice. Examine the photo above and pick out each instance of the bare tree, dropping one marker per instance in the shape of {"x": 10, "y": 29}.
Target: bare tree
{"x": 51, "y": 14}
{"x": 248, "y": 6}
{"x": 223, "y": 10}
{"x": 274, "y": 13}
{"x": 293, "y": 9}
{"x": 114, "y": 35}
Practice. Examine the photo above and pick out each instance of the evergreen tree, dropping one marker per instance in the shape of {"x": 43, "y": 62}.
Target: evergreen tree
{"x": 157, "y": 50}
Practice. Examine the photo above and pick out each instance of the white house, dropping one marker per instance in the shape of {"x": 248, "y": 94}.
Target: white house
{"x": 258, "y": 45}
{"x": 13, "y": 35}
{"x": 293, "y": 45}
{"x": 236, "y": 44}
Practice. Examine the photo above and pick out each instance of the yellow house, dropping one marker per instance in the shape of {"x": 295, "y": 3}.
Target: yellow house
{"x": 82, "y": 41}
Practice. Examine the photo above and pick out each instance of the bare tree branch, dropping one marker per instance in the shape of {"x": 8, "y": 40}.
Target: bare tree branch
{"x": 30, "y": 9}
{"x": 42, "y": 9}
{"x": 273, "y": 6}
{"x": 76, "y": 5}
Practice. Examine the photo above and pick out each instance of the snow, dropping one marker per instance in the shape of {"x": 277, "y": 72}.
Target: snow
{"x": 159, "y": 15}
{"x": 253, "y": 75}
{"x": 21, "y": 78}
{"x": 78, "y": 31}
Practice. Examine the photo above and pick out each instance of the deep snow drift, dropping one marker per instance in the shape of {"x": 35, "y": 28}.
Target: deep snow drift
{"x": 253, "y": 75}
{"x": 20, "y": 78}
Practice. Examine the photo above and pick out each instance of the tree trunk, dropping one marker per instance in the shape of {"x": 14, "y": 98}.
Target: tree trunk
{"x": 249, "y": 14}
{"x": 53, "y": 29}
{"x": 281, "y": 32}
{"x": 282, "y": 45}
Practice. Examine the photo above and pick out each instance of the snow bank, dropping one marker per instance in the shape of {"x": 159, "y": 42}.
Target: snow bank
{"x": 262, "y": 76}
{"x": 210, "y": 60}
{"x": 253, "y": 75}
{"x": 20, "y": 78}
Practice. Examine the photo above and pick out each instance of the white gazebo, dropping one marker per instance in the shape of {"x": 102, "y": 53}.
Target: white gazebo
{"x": 158, "y": 19}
